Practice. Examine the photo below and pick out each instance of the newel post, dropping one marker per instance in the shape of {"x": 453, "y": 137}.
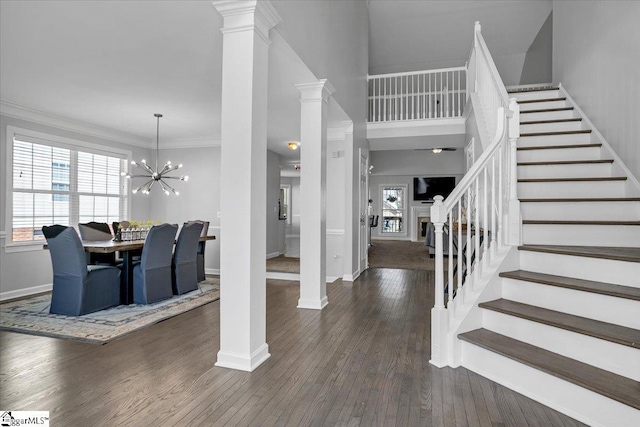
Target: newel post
{"x": 439, "y": 318}
{"x": 515, "y": 222}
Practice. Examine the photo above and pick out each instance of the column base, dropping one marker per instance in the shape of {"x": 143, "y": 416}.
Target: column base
{"x": 313, "y": 304}
{"x": 241, "y": 361}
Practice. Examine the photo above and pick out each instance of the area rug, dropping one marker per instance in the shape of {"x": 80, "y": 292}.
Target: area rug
{"x": 283, "y": 264}
{"x": 31, "y": 316}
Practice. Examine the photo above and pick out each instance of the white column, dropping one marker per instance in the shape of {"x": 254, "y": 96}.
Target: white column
{"x": 314, "y": 100}
{"x": 351, "y": 218}
{"x": 243, "y": 182}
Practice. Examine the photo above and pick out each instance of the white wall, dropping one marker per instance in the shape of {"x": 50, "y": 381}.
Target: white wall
{"x": 22, "y": 271}
{"x": 400, "y": 167}
{"x": 336, "y": 185}
{"x": 199, "y": 197}
{"x": 333, "y": 41}
{"x": 273, "y": 194}
{"x": 537, "y": 66}
{"x": 596, "y": 57}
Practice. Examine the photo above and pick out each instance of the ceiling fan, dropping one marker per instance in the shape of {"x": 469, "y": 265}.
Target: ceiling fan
{"x": 437, "y": 150}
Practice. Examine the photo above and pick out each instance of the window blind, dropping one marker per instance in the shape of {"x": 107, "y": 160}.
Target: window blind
{"x": 57, "y": 184}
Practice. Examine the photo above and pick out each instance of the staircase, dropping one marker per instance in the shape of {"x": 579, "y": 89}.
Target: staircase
{"x": 566, "y": 330}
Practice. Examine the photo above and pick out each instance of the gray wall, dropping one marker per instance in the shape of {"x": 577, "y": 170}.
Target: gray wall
{"x": 538, "y": 61}
{"x": 400, "y": 167}
{"x": 596, "y": 57}
{"x": 32, "y": 268}
{"x": 199, "y": 198}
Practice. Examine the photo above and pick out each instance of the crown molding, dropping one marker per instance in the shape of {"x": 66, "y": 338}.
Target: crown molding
{"x": 204, "y": 142}
{"x": 340, "y": 133}
{"x": 16, "y": 111}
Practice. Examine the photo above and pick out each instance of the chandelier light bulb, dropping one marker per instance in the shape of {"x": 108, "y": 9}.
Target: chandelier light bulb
{"x": 157, "y": 175}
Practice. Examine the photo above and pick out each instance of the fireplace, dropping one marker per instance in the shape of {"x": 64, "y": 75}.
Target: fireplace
{"x": 421, "y": 215}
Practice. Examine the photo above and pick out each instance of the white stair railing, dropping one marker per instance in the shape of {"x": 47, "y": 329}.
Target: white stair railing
{"x": 474, "y": 217}
{"x": 419, "y": 95}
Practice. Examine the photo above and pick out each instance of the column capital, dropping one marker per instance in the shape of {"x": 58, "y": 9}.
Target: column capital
{"x": 316, "y": 91}
{"x": 247, "y": 15}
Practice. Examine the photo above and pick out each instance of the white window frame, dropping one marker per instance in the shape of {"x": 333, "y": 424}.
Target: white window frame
{"x": 56, "y": 141}
{"x": 405, "y": 211}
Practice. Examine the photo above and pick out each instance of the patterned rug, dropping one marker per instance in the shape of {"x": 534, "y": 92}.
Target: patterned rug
{"x": 31, "y": 316}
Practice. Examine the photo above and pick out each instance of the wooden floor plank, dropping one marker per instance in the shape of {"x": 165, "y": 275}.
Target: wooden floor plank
{"x": 363, "y": 360}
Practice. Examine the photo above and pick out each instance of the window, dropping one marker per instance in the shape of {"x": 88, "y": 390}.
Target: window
{"x": 393, "y": 207}
{"x": 55, "y": 183}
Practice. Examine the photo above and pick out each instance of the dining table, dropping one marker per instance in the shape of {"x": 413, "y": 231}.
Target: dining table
{"x": 128, "y": 249}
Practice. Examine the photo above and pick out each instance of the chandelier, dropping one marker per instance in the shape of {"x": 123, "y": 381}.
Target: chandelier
{"x": 157, "y": 175}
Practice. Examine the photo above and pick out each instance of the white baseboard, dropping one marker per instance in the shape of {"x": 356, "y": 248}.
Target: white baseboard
{"x": 243, "y": 362}
{"x": 274, "y": 255}
{"x": 283, "y": 276}
{"x": 291, "y": 235}
{"x": 331, "y": 279}
{"x": 314, "y": 304}
{"x": 351, "y": 277}
{"x": 25, "y": 292}
{"x": 212, "y": 271}
{"x": 403, "y": 238}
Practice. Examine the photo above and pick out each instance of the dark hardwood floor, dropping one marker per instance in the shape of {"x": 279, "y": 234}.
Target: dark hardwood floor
{"x": 363, "y": 360}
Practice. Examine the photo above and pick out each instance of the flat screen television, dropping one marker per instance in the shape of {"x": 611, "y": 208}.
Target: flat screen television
{"x": 425, "y": 189}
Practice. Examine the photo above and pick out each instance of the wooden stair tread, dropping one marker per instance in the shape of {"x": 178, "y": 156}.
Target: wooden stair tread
{"x": 587, "y": 200}
{"x": 613, "y": 386}
{"x": 536, "y": 89}
{"x": 578, "y": 222}
{"x": 555, "y": 133}
{"x": 594, "y": 328}
{"x": 565, "y": 162}
{"x": 602, "y": 252}
{"x": 556, "y": 147}
{"x": 533, "y": 101}
{"x": 547, "y": 110}
{"x": 619, "y": 291}
{"x": 543, "y": 122}
{"x": 606, "y": 178}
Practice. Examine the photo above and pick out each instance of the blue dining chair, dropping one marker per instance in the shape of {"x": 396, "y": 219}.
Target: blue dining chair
{"x": 77, "y": 288}
{"x": 185, "y": 265}
{"x": 201, "y": 247}
{"x": 152, "y": 276}
{"x": 97, "y": 232}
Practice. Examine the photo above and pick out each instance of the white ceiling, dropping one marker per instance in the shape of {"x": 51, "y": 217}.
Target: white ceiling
{"x": 405, "y": 35}
{"x": 114, "y": 64}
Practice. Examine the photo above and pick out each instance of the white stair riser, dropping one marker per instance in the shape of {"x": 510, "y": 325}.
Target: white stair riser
{"x": 598, "y": 269}
{"x": 593, "y": 170}
{"x": 581, "y": 235}
{"x": 616, "y": 358}
{"x": 547, "y": 140}
{"x": 620, "y": 311}
{"x": 543, "y": 105}
{"x": 542, "y": 94}
{"x": 556, "y": 189}
{"x": 595, "y": 211}
{"x": 570, "y": 399}
{"x": 582, "y": 153}
{"x": 548, "y": 115}
{"x": 551, "y": 127}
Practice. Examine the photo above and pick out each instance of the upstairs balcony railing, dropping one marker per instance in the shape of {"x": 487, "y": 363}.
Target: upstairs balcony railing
{"x": 418, "y": 95}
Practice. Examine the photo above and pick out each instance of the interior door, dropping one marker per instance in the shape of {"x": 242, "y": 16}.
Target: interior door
{"x": 363, "y": 210}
